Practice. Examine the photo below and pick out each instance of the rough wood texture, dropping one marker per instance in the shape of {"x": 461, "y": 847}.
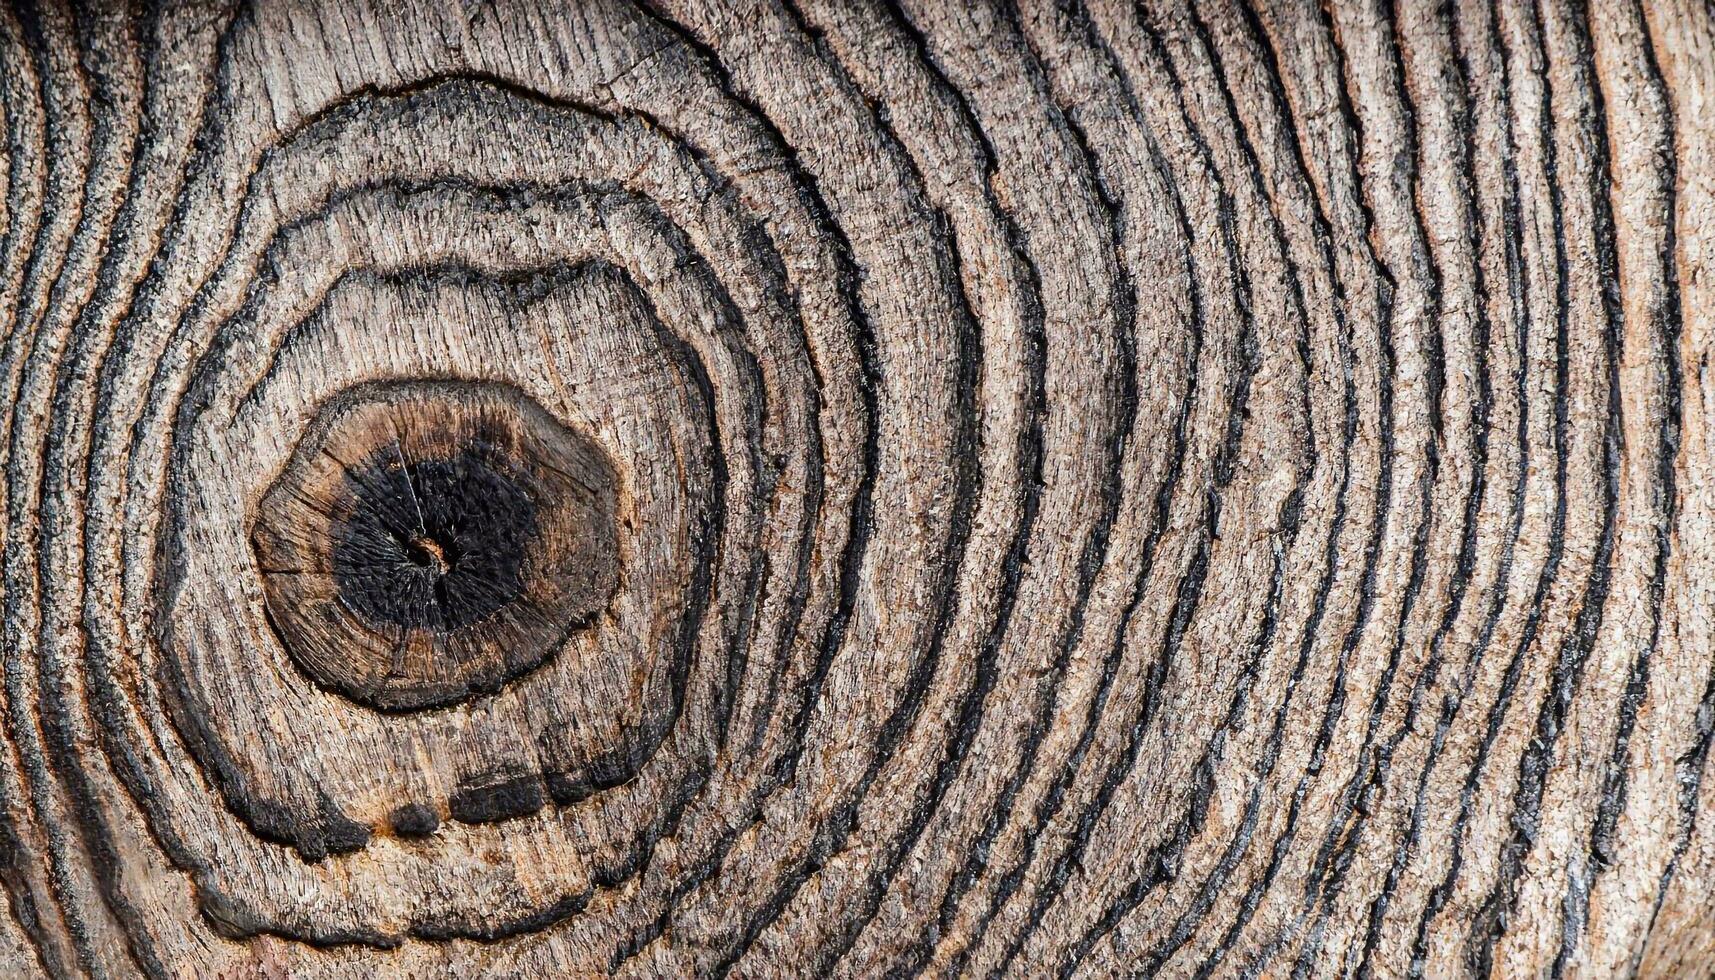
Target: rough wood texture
{"x": 831, "y": 488}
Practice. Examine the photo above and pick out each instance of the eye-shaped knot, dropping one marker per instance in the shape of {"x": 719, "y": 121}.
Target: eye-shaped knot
{"x": 432, "y": 540}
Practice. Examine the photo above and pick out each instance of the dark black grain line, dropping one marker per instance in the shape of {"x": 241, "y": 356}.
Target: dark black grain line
{"x": 62, "y": 522}
{"x": 972, "y": 707}
{"x": 1371, "y": 768}
{"x": 107, "y": 700}
{"x": 1241, "y": 841}
{"x": 1191, "y": 822}
{"x": 860, "y": 524}
{"x": 1538, "y": 757}
{"x": 1091, "y": 562}
{"x": 1465, "y": 562}
{"x": 1189, "y": 825}
{"x": 42, "y": 290}
{"x": 832, "y": 837}
{"x": 812, "y": 200}
{"x": 1185, "y": 925}
{"x": 1511, "y": 236}
{"x": 22, "y": 903}
{"x": 1689, "y": 768}
{"x": 847, "y": 279}
{"x": 1161, "y": 500}
{"x": 1133, "y": 895}
{"x": 1188, "y": 595}
{"x": 103, "y": 698}
{"x": 1386, "y": 288}
{"x": 814, "y": 489}
{"x": 1668, "y": 326}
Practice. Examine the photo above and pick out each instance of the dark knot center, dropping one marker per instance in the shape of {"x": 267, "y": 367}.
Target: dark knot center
{"x": 437, "y": 544}
{"x": 430, "y": 540}
{"x": 426, "y": 552}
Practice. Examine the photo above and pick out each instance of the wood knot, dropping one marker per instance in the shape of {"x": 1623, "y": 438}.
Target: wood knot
{"x": 429, "y": 541}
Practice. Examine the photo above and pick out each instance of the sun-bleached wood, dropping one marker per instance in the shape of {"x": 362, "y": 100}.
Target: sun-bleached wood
{"x": 1188, "y": 488}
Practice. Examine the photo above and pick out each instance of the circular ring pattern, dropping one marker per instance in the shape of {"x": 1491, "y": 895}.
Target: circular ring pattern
{"x": 431, "y": 541}
{"x": 854, "y": 489}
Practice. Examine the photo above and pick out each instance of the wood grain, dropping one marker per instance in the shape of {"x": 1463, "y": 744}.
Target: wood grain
{"x": 1188, "y": 488}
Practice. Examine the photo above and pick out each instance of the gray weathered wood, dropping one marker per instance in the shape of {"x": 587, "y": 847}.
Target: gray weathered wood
{"x": 844, "y": 488}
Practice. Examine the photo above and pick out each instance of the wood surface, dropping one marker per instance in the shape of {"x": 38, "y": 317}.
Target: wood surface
{"x": 839, "y": 488}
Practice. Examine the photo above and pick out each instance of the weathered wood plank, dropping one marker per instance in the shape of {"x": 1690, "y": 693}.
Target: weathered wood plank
{"x": 824, "y": 488}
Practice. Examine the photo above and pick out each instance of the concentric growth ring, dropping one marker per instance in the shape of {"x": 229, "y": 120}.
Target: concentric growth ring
{"x": 846, "y": 488}
{"x": 429, "y": 541}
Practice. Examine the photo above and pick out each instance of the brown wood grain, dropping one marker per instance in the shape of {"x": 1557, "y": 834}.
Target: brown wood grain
{"x": 1194, "y": 488}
